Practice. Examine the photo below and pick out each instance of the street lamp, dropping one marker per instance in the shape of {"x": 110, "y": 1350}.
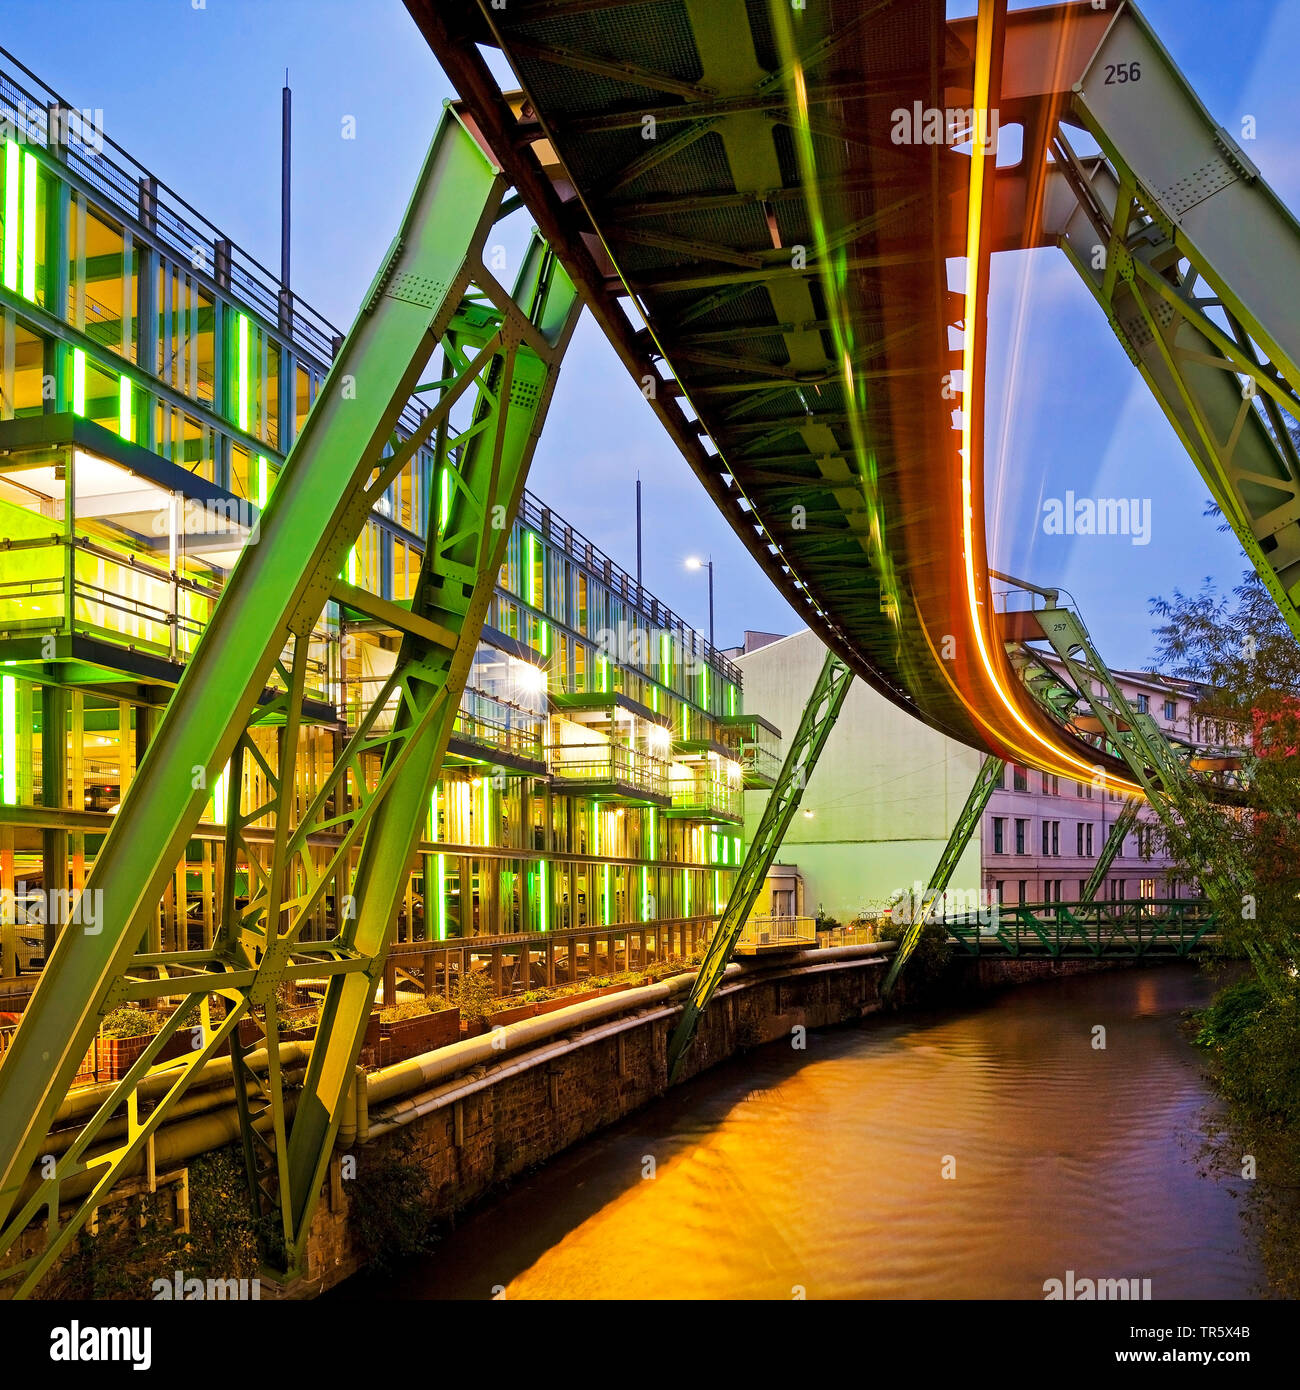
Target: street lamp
{"x": 695, "y": 563}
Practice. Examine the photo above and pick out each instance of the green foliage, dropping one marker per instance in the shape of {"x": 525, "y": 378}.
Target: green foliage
{"x": 1234, "y": 1010}
{"x": 928, "y": 962}
{"x": 414, "y": 1008}
{"x": 391, "y": 1203}
{"x": 1246, "y": 857}
{"x": 130, "y": 1022}
{"x": 223, "y": 1239}
{"x": 474, "y": 996}
{"x": 138, "y": 1240}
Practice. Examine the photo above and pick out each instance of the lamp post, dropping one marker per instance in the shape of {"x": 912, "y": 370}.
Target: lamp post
{"x": 695, "y": 563}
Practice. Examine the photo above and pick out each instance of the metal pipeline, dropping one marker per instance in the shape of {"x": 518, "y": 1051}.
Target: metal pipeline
{"x": 392, "y": 1082}
{"x": 174, "y": 1145}
{"x": 196, "y": 1103}
{"x": 415, "y": 1107}
{"x": 87, "y": 1099}
{"x": 211, "y": 1128}
{"x": 408, "y": 1076}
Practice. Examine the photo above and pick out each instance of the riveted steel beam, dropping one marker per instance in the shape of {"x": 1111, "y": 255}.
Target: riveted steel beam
{"x": 815, "y": 725}
{"x": 502, "y": 351}
{"x": 987, "y": 780}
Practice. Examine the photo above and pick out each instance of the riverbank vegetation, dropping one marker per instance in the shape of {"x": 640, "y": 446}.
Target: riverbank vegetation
{"x": 1245, "y": 853}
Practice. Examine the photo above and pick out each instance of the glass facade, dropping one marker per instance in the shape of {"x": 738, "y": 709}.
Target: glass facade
{"x": 153, "y": 378}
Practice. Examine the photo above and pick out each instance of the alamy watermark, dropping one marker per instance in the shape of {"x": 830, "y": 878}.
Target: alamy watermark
{"x": 963, "y": 906}
{"x": 1073, "y": 1289}
{"x": 179, "y": 1288}
{"x": 1098, "y": 516}
{"x": 235, "y": 517}
{"x": 24, "y": 906}
{"x": 952, "y": 125}
{"x": 60, "y": 125}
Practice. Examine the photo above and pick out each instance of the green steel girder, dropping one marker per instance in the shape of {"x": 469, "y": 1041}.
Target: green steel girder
{"x": 1135, "y": 929}
{"x": 815, "y": 725}
{"x": 1124, "y": 822}
{"x": 1137, "y": 737}
{"x": 432, "y": 290}
{"x": 987, "y": 780}
{"x": 1196, "y": 264}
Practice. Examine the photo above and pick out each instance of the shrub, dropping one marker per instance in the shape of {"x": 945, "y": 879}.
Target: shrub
{"x": 130, "y": 1022}
{"x": 929, "y": 959}
{"x": 413, "y": 1008}
{"x": 474, "y": 995}
{"x": 391, "y": 1206}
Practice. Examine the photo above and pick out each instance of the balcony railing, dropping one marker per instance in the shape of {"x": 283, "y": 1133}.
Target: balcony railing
{"x": 708, "y": 795}
{"x": 494, "y": 724}
{"x": 777, "y": 933}
{"x": 612, "y": 764}
{"x": 125, "y": 599}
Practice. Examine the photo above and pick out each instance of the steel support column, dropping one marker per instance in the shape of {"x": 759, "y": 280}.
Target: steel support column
{"x": 1114, "y": 843}
{"x": 819, "y": 716}
{"x": 250, "y": 668}
{"x": 987, "y": 780}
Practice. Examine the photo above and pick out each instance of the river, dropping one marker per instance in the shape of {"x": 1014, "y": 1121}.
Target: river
{"x": 823, "y": 1171}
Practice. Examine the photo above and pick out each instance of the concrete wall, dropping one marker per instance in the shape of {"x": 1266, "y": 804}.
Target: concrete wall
{"x": 883, "y": 798}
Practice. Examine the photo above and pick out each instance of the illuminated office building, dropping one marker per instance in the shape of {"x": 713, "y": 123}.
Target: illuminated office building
{"x": 153, "y": 378}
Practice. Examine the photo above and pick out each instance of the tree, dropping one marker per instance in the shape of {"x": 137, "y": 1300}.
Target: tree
{"x": 1245, "y": 850}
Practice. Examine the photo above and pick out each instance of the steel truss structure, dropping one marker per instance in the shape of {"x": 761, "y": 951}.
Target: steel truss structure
{"x": 1196, "y": 263}
{"x": 815, "y": 725}
{"x": 987, "y": 780}
{"x": 1124, "y": 822}
{"x": 1176, "y": 927}
{"x": 499, "y": 355}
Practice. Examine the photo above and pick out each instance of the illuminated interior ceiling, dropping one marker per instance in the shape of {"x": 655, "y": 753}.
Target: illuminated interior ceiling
{"x": 735, "y": 171}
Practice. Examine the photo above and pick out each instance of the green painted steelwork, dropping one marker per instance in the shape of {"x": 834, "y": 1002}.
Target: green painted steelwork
{"x": 1114, "y": 843}
{"x": 249, "y": 668}
{"x": 1174, "y": 926}
{"x": 819, "y": 716}
{"x": 987, "y": 780}
{"x": 1196, "y": 264}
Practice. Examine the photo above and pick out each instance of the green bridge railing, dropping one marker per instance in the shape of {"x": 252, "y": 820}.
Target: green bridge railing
{"x": 1149, "y": 926}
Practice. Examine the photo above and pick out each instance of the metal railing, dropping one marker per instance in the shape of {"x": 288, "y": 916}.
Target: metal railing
{"x": 613, "y": 763}
{"x": 1132, "y": 927}
{"x": 494, "y": 724}
{"x": 538, "y": 517}
{"x": 778, "y": 931}
{"x": 119, "y": 596}
{"x": 708, "y": 795}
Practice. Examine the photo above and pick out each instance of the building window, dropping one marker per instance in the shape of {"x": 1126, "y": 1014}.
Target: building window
{"x": 999, "y": 893}
{"x": 1083, "y": 838}
{"x": 1171, "y": 710}
{"x": 1022, "y": 887}
{"x": 1143, "y": 704}
{"x": 1019, "y": 779}
{"x": 1056, "y": 839}
{"x": 1022, "y": 830}
{"x": 999, "y": 834}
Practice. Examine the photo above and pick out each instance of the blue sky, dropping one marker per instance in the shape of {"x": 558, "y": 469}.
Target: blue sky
{"x": 194, "y": 94}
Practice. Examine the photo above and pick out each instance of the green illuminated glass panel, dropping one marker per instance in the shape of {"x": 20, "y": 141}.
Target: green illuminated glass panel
{"x": 9, "y": 740}
{"x": 12, "y": 234}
